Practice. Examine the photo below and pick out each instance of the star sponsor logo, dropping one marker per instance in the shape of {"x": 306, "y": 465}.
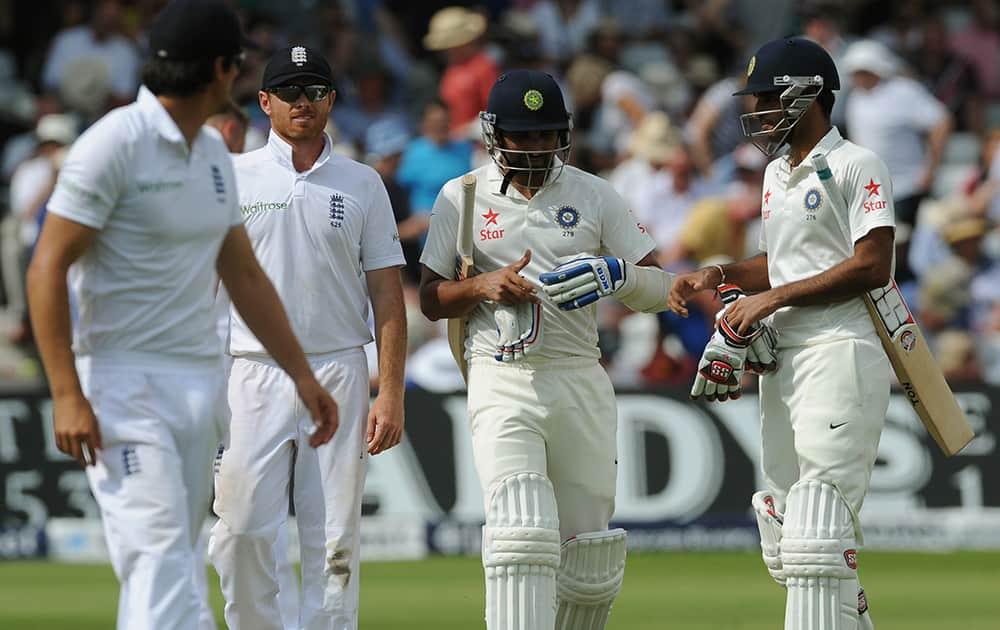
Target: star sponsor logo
{"x": 487, "y": 234}
{"x": 873, "y": 189}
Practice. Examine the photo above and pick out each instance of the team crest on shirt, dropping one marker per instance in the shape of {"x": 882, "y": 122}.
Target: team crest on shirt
{"x": 813, "y": 199}
{"x": 336, "y": 210}
{"x": 567, "y": 217}
{"x": 219, "y": 183}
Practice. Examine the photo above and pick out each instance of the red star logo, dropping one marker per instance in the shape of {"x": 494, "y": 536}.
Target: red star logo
{"x": 767, "y": 197}
{"x": 491, "y": 217}
{"x": 872, "y": 187}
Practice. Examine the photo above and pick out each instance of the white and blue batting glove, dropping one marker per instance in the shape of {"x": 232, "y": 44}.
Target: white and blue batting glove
{"x": 583, "y": 280}
{"x": 762, "y": 357}
{"x": 519, "y": 330}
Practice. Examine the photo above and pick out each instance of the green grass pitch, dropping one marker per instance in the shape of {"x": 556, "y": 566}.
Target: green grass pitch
{"x": 715, "y": 591}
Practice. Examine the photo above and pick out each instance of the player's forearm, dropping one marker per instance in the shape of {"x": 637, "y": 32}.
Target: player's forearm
{"x": 258, "y": 303}
{"x": 749, "y": 274}
{"x": 48, "y": 302}
{"x": 443, "y": 299}
{"x": 936, "y": 141}
{"x": 847, "y": 280}
{"x": 390, "y": 332}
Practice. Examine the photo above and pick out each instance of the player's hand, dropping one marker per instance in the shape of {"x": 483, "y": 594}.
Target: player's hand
{"x": 748, "y": 311}
{"x": 385, "y": 423}
{"x": 720, "y": 370}
{"x": 506, "y": 285}
{"x": 322, "y": 408}
{"x": 519, "y": 330}
{"x": 76, "y": 430}
{"x": 761, "y": 354}
{"x": 686, "y": 285}
{"x": 583, "y": 280}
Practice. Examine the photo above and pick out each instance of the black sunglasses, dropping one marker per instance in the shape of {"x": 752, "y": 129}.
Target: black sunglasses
{"x": 291, "y": 93}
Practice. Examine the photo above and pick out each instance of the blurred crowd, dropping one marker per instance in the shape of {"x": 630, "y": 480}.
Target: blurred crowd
{"x": 649, "y": 83}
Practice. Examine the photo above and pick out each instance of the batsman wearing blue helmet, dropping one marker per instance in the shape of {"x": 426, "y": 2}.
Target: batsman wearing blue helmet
{"x": 827, "y": 238}
{"x": 541, "y": 408}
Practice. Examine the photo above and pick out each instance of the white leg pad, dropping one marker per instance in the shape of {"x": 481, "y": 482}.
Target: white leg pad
{"x": 864, "y": 617}
{"x": 769, "y": 522}
{"x": 819, "y": 558}
{"x": 521, "y": 554}
{"x": 590, "y": 578}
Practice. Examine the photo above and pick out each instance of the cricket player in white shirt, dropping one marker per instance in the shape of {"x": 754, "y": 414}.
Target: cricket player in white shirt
{"x": 323, "y": 229}
{"x": 827, "y": 239}
{"x": 542, "y": 409}
{"x": 145, "y": 211}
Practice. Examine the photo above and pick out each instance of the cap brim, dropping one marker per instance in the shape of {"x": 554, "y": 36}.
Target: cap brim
{"x": 532, "y": 126}
{"x": 283, "y": 79}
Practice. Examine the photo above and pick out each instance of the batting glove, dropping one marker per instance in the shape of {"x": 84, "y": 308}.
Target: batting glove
{"x": 761, "y": 355}
{"x": 720, "y": 371}
{"x": 519, "y": 330}
{"x": 583, "y": 280}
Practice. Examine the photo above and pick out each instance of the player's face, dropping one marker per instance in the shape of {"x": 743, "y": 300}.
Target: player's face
{"x": 767, "y": 102}
{"x": 536, "y": 147}
{"x": 298, "y": 111}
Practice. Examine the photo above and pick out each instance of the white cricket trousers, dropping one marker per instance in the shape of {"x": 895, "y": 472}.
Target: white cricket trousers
{"x": 153, "y": 480}
{"x": 556, "y": 418}
{"x": 822, "y": 414}
{"x": 269, "y": 435}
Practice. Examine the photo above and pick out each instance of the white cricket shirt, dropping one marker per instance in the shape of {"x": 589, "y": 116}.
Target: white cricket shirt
{"x": 893, "y": 120}
{"x": 805, "y": 232}
{"x": 579, "y": 213}
{"x": 315, "y": 234}
{"x": 145, "y": 286}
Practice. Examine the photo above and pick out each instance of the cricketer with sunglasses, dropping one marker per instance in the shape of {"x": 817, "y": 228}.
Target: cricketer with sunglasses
{"x": 322, "y": 226}
{"x": 541, "y": 408}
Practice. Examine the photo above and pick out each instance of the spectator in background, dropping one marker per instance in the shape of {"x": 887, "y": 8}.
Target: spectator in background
{"x": 651, "y": 146}
{"x": 470, "y": 73}
{"x": 370, "y": 105}
{"x": 232, "y": 124}
{"x": 950, "y": 77}
{"x": 564, "y": 26}
{"x": 30, "y": 187}
{"x": 899, "y": 120}
{"x": 979, "y": 42}
{"x": 666, "y": 199}
{"x": 432, "y": 159}
{"x": 385, "y": 142}
{"x": 714, "y": 128}
{"x": 721, "y": 225}
{"x": 75, "y": 50}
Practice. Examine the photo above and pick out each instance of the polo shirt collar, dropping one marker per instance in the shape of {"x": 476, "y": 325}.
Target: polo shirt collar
{"x": 161, "y": 120}
{"x": 826, "y": 144}
{"x": 495, "y": 176}
{"x": 282, "y": 151}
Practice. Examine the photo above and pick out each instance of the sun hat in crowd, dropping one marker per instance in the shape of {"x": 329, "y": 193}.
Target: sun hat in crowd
{"x": 452, "y": 27}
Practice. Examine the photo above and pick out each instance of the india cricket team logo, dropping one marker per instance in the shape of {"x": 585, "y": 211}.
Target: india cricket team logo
{"x": 533, "y": 100}
{"x": 567, "y": 217}
{"x": 752, "y": 65}
{"x": 813, "y": 199}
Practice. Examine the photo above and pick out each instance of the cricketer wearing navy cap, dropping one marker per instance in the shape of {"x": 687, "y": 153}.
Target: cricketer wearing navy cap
{"x": 296, "y": 64}
{"x": 186, "y": 30}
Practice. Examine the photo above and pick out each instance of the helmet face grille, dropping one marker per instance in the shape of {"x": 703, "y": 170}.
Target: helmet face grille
{"x": 540, "y": 167}
{"x": 798, "y": 94}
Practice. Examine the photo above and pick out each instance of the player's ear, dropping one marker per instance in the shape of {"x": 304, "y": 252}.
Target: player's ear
{"x": 265, "y": 102}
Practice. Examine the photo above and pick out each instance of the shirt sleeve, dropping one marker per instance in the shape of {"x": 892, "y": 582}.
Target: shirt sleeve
{"x": 440, "y": 249}
{"x": 621, "y": 234}
{"x": 380, "y": 246}
{"x": 94, "y": 176}
{"x": 868, "y": 192}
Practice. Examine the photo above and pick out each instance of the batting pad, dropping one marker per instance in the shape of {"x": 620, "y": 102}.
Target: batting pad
{"x": 769, "y": 522}
{"x": 521, "y": 554}
{"x": 590, "y": 578}
{"x": 819, "y": 558}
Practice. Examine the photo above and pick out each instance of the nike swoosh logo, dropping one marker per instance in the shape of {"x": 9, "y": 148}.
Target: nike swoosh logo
{"x": 837, "y": 426}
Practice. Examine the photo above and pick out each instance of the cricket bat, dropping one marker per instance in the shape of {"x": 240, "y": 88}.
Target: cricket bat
{"x": 463, "y": 248}
{"x": 917, "y": 371}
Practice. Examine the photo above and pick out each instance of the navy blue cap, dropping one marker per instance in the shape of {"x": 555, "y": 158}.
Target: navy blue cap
{"x": 296, "y": 63}
{"x": 792, "y": 56}
{"x": 527, "y": 100}
{"x": 186, "y": 30}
